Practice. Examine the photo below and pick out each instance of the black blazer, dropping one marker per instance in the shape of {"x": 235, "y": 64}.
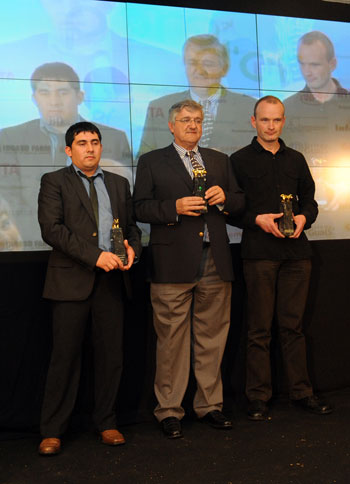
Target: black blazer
{"x": 176, "y": 242}
{"x": 67, "y": 224}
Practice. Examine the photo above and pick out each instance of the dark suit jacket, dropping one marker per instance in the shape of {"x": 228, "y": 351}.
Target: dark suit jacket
{"x": 176, "y": 242}
{"x": 68, "y": 225}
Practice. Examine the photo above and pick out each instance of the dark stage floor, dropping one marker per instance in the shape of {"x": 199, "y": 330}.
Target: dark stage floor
{"x": 293, "y": 447}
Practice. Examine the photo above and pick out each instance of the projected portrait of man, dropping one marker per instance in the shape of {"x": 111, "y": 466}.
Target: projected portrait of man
{"x": 225, "y": 113}
{"x": 57, "y": 95}
{"x": 31, "y": 148}
{"x": 318, "y": 118}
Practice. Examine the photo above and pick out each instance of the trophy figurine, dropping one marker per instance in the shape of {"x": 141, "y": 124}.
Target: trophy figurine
{"x": 117, "y": 242}
{"x": 286, "y": 223}
{"x": 199, "y": 186}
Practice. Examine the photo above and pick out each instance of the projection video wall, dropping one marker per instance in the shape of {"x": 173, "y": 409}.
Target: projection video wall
{"x": 123, "y": 65}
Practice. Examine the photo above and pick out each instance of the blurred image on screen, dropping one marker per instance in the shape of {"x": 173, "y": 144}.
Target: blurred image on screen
{"x": 123, "y": 65}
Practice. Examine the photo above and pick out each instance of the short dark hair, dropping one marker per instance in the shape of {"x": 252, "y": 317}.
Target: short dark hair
{"x": 316, "y": 35}
{"x": 81, "y": 127}
{"x": 268, "y": 99}
{"x": 55, "y": 71}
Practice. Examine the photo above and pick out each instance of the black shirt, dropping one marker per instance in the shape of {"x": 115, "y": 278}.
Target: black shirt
{"x": 264, "y": 176}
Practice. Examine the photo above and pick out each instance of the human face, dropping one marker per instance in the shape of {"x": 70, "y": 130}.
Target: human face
{"x": 268, "y": 122}
{"x": 187, "y": 128}
{"x": 57, "y": 102}
{"x": 85, "y": 152}
{"x": 315, "y": 66}
{"x": 204, "y": 67}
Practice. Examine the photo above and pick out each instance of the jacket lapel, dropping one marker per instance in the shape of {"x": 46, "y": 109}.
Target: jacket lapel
{"x": 175, "y": 164}
{"x": 77, "y": 184}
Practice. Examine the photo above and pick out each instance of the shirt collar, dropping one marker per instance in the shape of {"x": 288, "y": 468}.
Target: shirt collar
{"x": 182, "y": 151}
{"x": 213, "y": 98}
{"x": 98, "y": 171}
{"x": 340, "y": 88}
{"x": 258, "y": 147}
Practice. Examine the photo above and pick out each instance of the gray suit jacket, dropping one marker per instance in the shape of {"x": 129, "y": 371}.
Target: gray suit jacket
{"x": 232, "y": 129}
{"x": 28, "y": 145}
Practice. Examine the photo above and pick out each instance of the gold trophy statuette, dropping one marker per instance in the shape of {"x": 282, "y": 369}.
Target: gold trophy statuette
{"x": 199, "y": 186}
{"x": 286, "y": 223}
{"x": 117, "y": 242}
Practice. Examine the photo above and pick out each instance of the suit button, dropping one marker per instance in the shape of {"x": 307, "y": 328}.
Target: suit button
{"x": 94, "y": 234}
{"x": 201, "y": 234}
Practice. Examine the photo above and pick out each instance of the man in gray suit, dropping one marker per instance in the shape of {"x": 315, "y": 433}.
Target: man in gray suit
{"x": 225, "y": 125}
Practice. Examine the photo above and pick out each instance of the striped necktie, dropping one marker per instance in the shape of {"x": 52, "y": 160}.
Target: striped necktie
{"x": 195, "y": 163}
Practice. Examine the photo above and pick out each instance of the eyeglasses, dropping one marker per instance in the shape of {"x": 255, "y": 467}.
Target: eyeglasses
{"x": 197, "y": 121}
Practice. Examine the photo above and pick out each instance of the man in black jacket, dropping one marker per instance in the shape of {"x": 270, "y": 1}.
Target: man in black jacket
{"x": 276, "y": 267}
{"x": 77, "y": 206}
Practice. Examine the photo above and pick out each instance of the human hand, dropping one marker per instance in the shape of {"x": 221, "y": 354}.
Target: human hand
{"x": 300, "y": 221}
{"x": 109, "y": 261}
{"x": 189, "y": 206}
{"x": 215, "y": 195}
{"x": 267, "y": 223}
{"x": 130, "y": 254}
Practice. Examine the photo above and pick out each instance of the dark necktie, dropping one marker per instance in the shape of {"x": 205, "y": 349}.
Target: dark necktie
{"x": 93, "y": 193}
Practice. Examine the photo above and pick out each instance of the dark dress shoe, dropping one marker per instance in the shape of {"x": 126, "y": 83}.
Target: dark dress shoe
{"x": 112, "y": 437}
{"x": 217, "y": 419}
{"x": 257, "y": 410}
{"x": 50, "y": 446}
{"x": 314, "y": 405}
{"x": 171, "y": 427}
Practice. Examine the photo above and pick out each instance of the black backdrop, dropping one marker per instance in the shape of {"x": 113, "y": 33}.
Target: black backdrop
{"x": 25, "y": 317}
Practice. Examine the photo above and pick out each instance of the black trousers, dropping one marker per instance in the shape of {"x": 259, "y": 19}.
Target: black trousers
{"x": 277, "y": 288}
{"x": 70, "y": 320}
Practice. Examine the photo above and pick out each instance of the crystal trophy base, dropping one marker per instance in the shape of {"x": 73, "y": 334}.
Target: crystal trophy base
{"x": 286, "y": 223}
{"x": 199, "y": 187}
{"x": 117, "y": 242}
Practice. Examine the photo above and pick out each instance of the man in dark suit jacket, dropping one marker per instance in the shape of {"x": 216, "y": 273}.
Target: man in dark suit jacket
{"x": 84, "y": 277}
{"x": 191, "y": 266}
